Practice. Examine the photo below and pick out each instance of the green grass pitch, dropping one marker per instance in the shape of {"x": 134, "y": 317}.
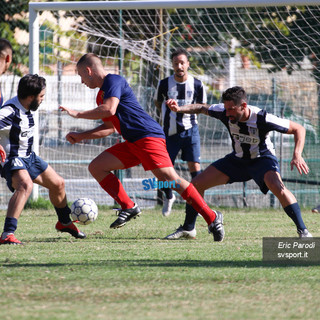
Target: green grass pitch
{"x": 131, "y": 273}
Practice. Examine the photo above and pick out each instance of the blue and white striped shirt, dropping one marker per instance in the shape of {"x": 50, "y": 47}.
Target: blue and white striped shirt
{"x": 16, "y": 129}
{"x": 188, "y": 92}
{"x": 251, "y": 139}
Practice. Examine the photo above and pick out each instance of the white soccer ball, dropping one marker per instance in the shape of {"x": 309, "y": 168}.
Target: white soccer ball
{"x": 84, "y": 211}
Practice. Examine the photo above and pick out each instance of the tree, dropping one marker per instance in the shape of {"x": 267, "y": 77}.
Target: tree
{"x": 12, "y": 15}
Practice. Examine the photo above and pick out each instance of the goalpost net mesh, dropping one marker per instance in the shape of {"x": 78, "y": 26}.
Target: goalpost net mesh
{"x": 273, "y": 52}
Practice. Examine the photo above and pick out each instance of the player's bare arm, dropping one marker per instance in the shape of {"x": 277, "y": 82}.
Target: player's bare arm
{"x": 189, "y": 108}
{"x": 105, "y": 110}
{"x": 101, "y": 131}
{"x": 299, "y": 133}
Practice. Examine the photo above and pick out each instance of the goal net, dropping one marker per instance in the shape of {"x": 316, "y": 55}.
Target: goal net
{"x": 271, "y": 48}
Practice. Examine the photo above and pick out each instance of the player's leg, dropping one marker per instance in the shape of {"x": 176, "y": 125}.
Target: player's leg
{"x": 55, "y": 184}
{"x": 116, "y": 158}
{"x": 192, "y": 196}
{"x": 209, "y": 178}
{"x": 20, "y": 182}
{"x": 316, "y": 209}
{"x": 190, "y": 147}
{"x": 153, "y": 155}
{"x": 101, "y": 169}
{"x": 191, "y": 151}
{"x": 173, "y": 147}
{"x": 191, "y": 214}
{"x": 287, "y": 199}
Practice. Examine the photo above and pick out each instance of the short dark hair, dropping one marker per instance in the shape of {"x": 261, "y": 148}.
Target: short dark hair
{"x": 88, "y": 59}
{"x": 30, "y": 85}
{"x": 235, "y": 94}
{"x": 178, "y": 52}
{"x": 5, "y": 44}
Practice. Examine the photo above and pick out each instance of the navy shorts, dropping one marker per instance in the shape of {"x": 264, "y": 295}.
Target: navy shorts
{"x": 188, "y": 142}
{"x": 33, "y": 164}
{"x": 240, "y": 170}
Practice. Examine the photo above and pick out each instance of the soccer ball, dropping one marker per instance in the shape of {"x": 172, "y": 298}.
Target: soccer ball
{"x": 84, "y": 211}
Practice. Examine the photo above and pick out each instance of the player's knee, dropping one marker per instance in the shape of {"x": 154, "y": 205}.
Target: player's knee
{"x": 24, "y": 186}
{"x": 276, "y": 187}
{"x": 59, "y": 183}
{"x": 92, "y": 168}
{"x": 197, "y": 185}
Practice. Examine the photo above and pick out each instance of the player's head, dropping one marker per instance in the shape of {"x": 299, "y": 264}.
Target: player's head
{"x": 5, "y": 55}
{"x": 235, "y": 94}
{"x": 90, "y": 68}
{"x": 235, "y": 103}
{"x": 31, "y": 90}
{"x": 180, "y": 64}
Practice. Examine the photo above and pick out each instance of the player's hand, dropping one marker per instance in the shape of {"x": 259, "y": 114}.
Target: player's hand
{"x": 72, "y": 113}
{"x": 300, "y": 164}
{"x": 73, "y": 137}
{"x": 173, "y": 105}
{"x": 3, "y": 154}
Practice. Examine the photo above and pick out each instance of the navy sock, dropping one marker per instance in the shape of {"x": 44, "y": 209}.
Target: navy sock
{"x": 190, "y": 219}
{"x": 195, "y": 173}
{"x": 168, "y": 193}
{"x": 10, "y": 225}
{"x": 63, "y": 214}
{"x": 294, "y": 212}
{"x": 191, "y": 214}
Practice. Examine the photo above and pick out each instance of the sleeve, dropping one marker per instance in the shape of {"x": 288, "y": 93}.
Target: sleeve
{"x": 275, "y": 123}
{"x": 6, "y": 114}
{"x": 202, "y": 94}
{"x": 113, "y": 86}
{"x": 217, "y": 111}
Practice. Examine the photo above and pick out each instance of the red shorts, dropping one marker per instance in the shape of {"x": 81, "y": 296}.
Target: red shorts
{"x": 150, "y": 152}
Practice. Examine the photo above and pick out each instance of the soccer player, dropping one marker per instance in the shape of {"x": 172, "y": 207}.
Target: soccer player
{"x": 5, "y": 61}
{"x": 181, "y": 130}
{"x": 22, "y": 167}
{"x": 144, "y": 144}
{"x": 316, "y": 209}
{"x": 253, "y": 155}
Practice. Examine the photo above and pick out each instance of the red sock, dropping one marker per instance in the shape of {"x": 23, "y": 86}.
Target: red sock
{"x": 193, "y": 197}
{"x": 113, "y": 186}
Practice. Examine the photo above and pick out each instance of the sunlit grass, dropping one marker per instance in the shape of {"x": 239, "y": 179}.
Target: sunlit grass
{"x": 132, "y": 273}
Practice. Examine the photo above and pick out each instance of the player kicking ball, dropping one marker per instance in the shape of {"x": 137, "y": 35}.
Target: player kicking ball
{"x": 144, "y": 144}
{"x": 253, "y": 155}
{"x": 21, "y": 166}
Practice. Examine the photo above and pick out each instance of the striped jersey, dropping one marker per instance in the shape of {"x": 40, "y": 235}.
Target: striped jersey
{"x": 16, "y": 129}
{"x": 188, "y": 92}
{"x": 251, "y": 139}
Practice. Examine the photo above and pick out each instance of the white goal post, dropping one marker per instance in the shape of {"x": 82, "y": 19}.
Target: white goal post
{"x": 267, "y": 46}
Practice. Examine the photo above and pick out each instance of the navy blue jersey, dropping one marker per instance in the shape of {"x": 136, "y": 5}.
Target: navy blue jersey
{"x": 251, "y": 139}
{"x": 130, "y": 120}
{"x": 188, "y": 92}
{"x": 16, "y": 129}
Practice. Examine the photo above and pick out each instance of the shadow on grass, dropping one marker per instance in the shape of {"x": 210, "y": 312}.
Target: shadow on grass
{"x": 169, "y": 264}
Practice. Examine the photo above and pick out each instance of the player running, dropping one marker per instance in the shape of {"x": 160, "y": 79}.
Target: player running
{"x": 253, "y": 155}
{"x": 144, "y": 144}
{"x": 22, "y": 167}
